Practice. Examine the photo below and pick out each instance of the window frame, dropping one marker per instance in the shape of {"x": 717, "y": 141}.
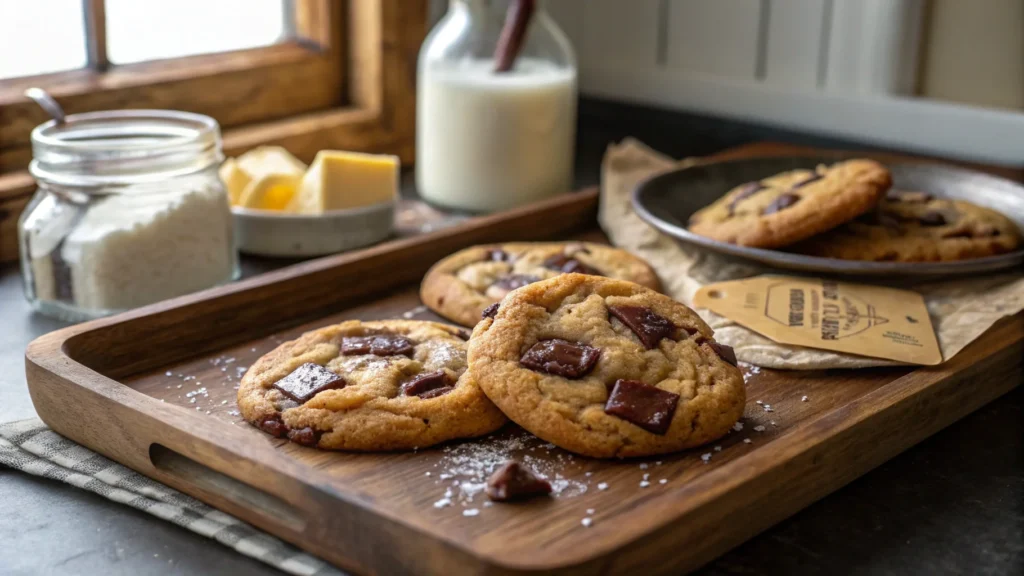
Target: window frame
{"x": 373, "y": 45}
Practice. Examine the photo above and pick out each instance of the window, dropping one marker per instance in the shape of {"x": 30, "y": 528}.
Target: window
{"x": 303, "y": 74}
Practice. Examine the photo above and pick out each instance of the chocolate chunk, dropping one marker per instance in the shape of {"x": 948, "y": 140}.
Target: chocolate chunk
{"x": 932, "y": 218}
{"x": 648, "y": 407}
{"x": 649, "y": 327}
{"x": 305, "y": 436}
{"x": 463, "y": 334}
{"x": 436, "y": 392}
{"x": 378, "y": 345}
{"x": 307, "y": 381}
{"x": 274, "y": 426}
{"x": 513, "y": 281}
{"x": 513, "y": 480}
{"x": 561, "y": 358}
{"x": 781, "y": 203}
{"x": 498, "y": 255}
{"x": 725, "y": 352}
{"x": 747, "y": 191}
{"x": 569, "y": 265}
{"x": 808, "y": 180}
{"x": 491, "y": 311}
{"x": 425, "y": 383}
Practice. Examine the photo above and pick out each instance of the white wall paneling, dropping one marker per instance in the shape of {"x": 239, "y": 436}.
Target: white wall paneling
{"x": 796, "y": 42}
{"x": 718, "y": 38}
{"x": 617, "y": 34}
{"x": 873, "y": 46}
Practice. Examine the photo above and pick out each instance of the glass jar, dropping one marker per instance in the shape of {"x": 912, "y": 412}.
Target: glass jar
{"x": 490, "y": 140}
{"x": 129, "y": 210}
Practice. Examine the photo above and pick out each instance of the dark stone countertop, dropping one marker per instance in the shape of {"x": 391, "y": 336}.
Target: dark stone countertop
{"x": 954, "y": 504}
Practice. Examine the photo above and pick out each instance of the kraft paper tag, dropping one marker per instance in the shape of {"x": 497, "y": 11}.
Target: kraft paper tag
{"x": 855, "y": 318}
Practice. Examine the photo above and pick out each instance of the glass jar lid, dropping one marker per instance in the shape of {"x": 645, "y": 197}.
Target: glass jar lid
{"x": 123, "y": 147}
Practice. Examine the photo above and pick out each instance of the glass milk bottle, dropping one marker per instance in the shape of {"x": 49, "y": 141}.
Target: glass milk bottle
{"x": 486, "y": 139}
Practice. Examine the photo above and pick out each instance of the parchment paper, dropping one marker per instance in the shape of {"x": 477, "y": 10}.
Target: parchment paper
{"x": 961, "y": 310}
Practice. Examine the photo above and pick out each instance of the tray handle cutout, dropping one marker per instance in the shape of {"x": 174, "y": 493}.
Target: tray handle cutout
{"x": 187, "y": 470}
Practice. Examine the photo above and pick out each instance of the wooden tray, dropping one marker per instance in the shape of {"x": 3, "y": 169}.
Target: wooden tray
{"x": 121, "y": 387}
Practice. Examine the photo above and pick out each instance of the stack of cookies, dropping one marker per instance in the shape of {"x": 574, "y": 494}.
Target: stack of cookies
{"x": 572, "y": 342}
{"x": 847, "y": 211}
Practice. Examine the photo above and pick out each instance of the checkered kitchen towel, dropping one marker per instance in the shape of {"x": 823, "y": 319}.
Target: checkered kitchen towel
{"x": 31, "y": 447}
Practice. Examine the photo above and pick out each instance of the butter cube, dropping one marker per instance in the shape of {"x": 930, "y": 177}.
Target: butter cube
{"x": 343, "y": 180}
{"x": 265, "y": 160}
{"x": 271, "y": 192}
{"x": 234, "y": 178}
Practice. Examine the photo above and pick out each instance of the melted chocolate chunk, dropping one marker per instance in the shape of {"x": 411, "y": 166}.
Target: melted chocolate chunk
{"x": 498, "y": 255}
{"x": 747, "y": 191}
{"x": 274, "y": 426}
{"x": 436, "y": 392}
{"x": 463, "y": 334}
{"x": 724, "y": 352}
{"x": 513, "y": 281}
{"x": 305, "y": 436}
{"x": 379, "y": 345}
{"x": 648, "y": 407}
{"x": 781, "y": 203}
{"x": 491, "y": 311}
{"x": 568, "y": 265}
{"x": 513, "y": 480}
{"x": 561, "y": 358}
{"x": 932, "y": 218}
{"x": 649, "y": 327}
{"x": 425, "y": 383}
{"x": 808, "y": 180}
{"x": 879, "y": 218}
{"x": 307, "y": 381}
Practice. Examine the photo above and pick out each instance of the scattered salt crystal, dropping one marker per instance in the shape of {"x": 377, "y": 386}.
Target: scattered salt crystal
{"x": 587, "y": 522}
{"x": 445, "y": 476}
{"x": 417, "y": 310}
{"x": 192, "y": 401}
{"x": 168, "y": 373}
{"x": 448, "y": 493}
{"x": 746, "y": 440}
{"x": 643, "y": 466}
{"x": 644, "y": 484}
{"x": 488, "y": 504}
{"x": 737, "y": 426}
{"x": 773, "y": 423}
{"x": 759, "y": 402}
{"x": 590, "y": 510}
{"x": 589, "y": 474}
{"x": 179, "y": 386}
{"x": 718, "y": 448}
{"x": 706, "y": 457}
{"x": 803, "y": 399}
{"x": 663, "y": 481}
{"x": 443, "y": 502}
{"x": 758, "y": 428}
{"x": 161, "y": 399}
{"x": 549, "y": 446}
{"x": 602, "y": 486}
{"x": 646, "y": 476}
{"x": 471, "y": 512}
{"x": 658, "y": 463}
{"x": 768, "y": 408}
{"x": 223, "y": 402}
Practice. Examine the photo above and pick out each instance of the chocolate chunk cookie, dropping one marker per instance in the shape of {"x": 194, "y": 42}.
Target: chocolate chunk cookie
{"x": 462, "y": 286}
{"x": 389, "y": 385}
{"x": 792, "y": 206}
{"x": 917, "y": 227}
{"x": 606, "y": 368}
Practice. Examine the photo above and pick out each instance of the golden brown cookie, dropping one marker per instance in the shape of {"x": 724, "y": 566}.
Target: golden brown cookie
{"x": 789, "y": 207}
{"x": 388, "y": 385}
{"x": 606, "y": 368}
{"x": 917, "y": 227}
{"x": 461, "y": 286}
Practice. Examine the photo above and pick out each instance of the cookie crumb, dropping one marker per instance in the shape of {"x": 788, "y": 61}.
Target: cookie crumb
{"x": 587, "y": 522}
{"x": 758, "y": 428}
{"x": 471, "y": 512}
{"x": 706, "y": 457}
{"x": 602, "y": 486}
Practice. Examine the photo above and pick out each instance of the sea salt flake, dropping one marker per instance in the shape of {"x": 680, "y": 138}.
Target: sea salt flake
{"x": 746, "y": 440}
{"x": 643, "y": 466}
{"x": 663, "y": 481}
{"x": 471, "y": 512}
{"x": 602, "y": 486}
{"x": 758, "y": 428}
{"x": 590, "y": 510}
{"x": 587, "y": 522}
{"x": 443, "y": 502}
{"x": 168, "y": 373}
{"x": 718, "y": 448}
{"x": 646, "y": 476}
{"x": 706, "y": 457}
{"x": 644, "y": 484}
{"x": 427, "y": 474}
{"x": 737, "y": 426}
{"x": 773, "y": 423}
{"x": 768, "y": 408}
{"x": 488, "y": 504}
{"x": 759, "y": 402}
{"x": 803, "y": 398}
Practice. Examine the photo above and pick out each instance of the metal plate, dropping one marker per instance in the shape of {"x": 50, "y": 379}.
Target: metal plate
{"x": 667, "y": 201}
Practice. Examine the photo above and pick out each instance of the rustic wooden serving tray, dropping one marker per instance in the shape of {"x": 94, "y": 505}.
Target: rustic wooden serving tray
{"x": 124, "y": 386}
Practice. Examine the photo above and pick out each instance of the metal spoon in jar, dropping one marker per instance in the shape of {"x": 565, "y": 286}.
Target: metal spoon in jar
{"x": 47, "y": 103}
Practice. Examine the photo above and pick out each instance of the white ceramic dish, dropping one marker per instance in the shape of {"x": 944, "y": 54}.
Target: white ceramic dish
{"x": 267, "y": 233}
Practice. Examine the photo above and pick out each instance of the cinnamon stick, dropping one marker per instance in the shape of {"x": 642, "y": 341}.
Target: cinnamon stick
{"x": 517, "y": 20}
